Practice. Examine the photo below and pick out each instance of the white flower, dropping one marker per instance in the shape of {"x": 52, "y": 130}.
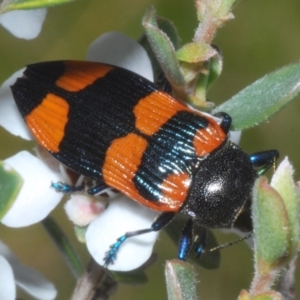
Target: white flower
{"x": 122, "y": 214}
{"x": 25, "y": 24}
{"x": 13, "y": 273}
{"x": 36, "y": 199}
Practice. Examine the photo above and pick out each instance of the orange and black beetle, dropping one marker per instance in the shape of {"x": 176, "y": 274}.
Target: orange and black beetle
{"x": 117, "y": 128}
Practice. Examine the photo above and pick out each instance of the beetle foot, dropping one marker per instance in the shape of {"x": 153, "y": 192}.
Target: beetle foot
{"x": 110, "y": 256}
{"x": 66, "y": 188}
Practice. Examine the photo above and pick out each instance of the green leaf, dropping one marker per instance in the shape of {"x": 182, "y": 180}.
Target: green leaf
{"x": 181, "y": 279}
{"x": 10, "y": 186}
{"x": 262, "y": 99}
{"x": 29, "y": 4}
{"x": 64, "y": 246}
{"x": 271, "y": 227}
{"x": 164, "y": 50}
{"x": 195, "y": 52}
{"x": 215, "y": 68}
{"x": 269, "y": 295}
{"x": 283, "y": 182}
{"x": 225, "y": 7}
{"x": 206, "y": 79}
{"x": 169, "y": 29}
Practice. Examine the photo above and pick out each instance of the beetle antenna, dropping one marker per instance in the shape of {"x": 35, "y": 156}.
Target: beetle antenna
{"x": 231, "y": 243}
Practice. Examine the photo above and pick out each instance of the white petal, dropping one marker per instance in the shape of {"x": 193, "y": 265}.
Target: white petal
{"x": 26, "y": 24}
{"x": 26, "y": 278}
{"x": 122, "y": 215}
{"x": 10, "y": 117}
{"x": 8, "y": 254}
{"x": 7, "y": 282}
{"x": 33, "y": 283}
{"x": 36, "y": 199}
{"x": 235, "y": 136}
{"x": 117, "y": 49}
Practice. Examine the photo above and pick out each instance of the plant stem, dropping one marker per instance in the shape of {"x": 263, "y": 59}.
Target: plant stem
{"x": 94, "y": 284}
{"x": 64, "y": 246}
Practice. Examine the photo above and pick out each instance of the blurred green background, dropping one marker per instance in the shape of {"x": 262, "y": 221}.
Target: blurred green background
{"x": 264, "y": 36}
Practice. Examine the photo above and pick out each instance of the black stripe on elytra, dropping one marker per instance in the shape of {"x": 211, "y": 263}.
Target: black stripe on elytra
{"x": 39, "y": 80}
{"x": 169, "y": 150}
{"x": 98, "y": 114}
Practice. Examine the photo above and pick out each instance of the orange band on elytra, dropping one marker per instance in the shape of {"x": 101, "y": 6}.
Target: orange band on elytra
{"x": 155, "y": 110}
{"x": 48, "y": 120}
{"x": 208, "y": 139}
{"x": 174, "y": 190}
{"x": 79, "y": 74}
{"x": 122, "y": 161}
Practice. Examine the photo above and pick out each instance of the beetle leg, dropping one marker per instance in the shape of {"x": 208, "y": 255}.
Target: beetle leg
{"x": 98, "y": 188}
{"x": 185, "y": 241}
{"x": 66, "y": 188}
{"x": 226, "y": 121}
{"x": 264, "y": 159}
{"x": 162, "y": 220}
{"x": 200, "y": 242}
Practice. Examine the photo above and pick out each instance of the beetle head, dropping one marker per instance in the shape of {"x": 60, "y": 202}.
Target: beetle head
{"x": 220, "y": 187}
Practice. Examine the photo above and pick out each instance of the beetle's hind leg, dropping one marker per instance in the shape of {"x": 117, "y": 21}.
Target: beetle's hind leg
{"x": 162, "y": 220}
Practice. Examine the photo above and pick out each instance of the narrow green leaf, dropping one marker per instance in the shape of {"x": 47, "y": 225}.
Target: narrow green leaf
{"x": 169, "y": 29}
{"x": 64, "y": 246}
{"x": 262, "y": 99}
{"x": 10, "y": 186}
{"x": 29, "y": 4}
{"x": 163, "y": 49}
{"x": 181, "y": 279}
{"x": 215, "y": 68}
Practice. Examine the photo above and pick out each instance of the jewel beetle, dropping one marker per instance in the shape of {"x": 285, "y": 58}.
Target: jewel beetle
{"x": 119, "y": 129}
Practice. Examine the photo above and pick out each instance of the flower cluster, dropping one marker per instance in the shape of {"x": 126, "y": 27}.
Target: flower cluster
{"x": 104, "y": 222}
